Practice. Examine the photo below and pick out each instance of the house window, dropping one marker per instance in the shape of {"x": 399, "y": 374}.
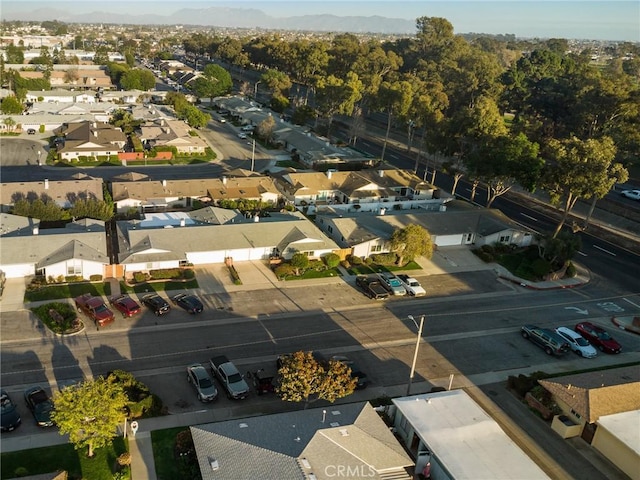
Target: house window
{"x": 376, "y": 248}
{"x": 404, "y": 423}
{"x": 74, "y": 268}
{"x": 505, "y": 238}
{"x": 309, "y": 254}
{"x": 576, "y": 414}
{"x": 330, "y": 229}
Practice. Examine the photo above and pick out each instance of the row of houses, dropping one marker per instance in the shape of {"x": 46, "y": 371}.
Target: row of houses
{"x": 181, "y": 222}
{"x": 440, "y": 436}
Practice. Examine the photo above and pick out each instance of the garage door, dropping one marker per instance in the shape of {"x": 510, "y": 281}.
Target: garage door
{"x": 448, "y": 240}
{"x": 202, "y": 258}
{"x": 18, "y": 271}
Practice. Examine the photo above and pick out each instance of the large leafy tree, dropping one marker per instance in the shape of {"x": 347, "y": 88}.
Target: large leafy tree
{"x": 411, "y": 242}
{"x": 580, "y": 169}
{"x": 305, "y": 379}
{"x": 137, "y": 79}
{"x": 333, "y": 96}
{"x": 393, "y": 98}
{"x": 278, "y": 82}
{"x": 11, "y": 105}
{"x": 215, "y": 81}
{"x": 90, "y": 412}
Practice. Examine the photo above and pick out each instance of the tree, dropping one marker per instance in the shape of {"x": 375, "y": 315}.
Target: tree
{"x": 278, "y": 82}
{"x": 305, "y": 379}
{"x": 11, "y": 105}
{"x": 10, "y": 123}
{"x": 299, "y": 261}
{"x": 90, "y": 412}
{"x": 215, "y": 81}
{"x": 411, "y": 242}
{"x": 394, "y": 99}
{"x": 266, "y": 127}
{"x": 580, "y": 170}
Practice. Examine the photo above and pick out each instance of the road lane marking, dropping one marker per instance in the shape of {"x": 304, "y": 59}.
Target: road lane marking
{"x": 605, "y": 251}
{"x": 582, "y": 253}
{"x": 273, "y": 340}
{"x": 629, "y": 301}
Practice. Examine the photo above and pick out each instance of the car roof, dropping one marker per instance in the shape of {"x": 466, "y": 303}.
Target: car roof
{"x": 568, "y": 331}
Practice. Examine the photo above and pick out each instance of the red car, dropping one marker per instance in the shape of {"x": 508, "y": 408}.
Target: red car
{"x": 126, "y": 305}
{"x": 598, "y": 337}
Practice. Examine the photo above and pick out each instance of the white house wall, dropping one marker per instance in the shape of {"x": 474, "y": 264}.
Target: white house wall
{"x": 202, "y": 258}
{"x": 143, "y": 266}
{"x": 87, "y": 268}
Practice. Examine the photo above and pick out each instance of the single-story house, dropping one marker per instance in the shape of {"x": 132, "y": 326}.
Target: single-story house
{"x": 171, "y": 133}
{"x": 168, "y": 240}
{"x": 79, "y": 249}
{"x": 173, "y": 194}
{"x": 457, "y": 223}
{"x": 617, "y": 437}
{"x": 452, "y": 437}
{"x": 586, "y": 397}
{"x": 363, "y": 190}
{"x": 338, "y": 441}
{"x": 63, "y": 192}
{"x": 90, "y": 139}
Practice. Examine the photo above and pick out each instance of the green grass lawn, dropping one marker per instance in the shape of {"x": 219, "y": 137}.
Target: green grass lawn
{"x": 69, "y": 290}
{"x": 364, "y": 269}
{"x": 167, "y": 466}
{"x": 330, "y": 272}
{"x": 65, "y": 457}
{"x": 158, "y": 286}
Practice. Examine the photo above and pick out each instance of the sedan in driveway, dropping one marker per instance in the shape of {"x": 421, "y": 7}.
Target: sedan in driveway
{"x": 577, "y": 342}
{"x": 190, "y": 303}
{"x": 198, "y": 377}
{"x": 10, "y": 416}
{"x": 632, "y": 194}
{"x": 125, "y": 305}
{"x": 40, "y": 405}
{"x": 156, "y": 304}
{"x": 598, "y": 337}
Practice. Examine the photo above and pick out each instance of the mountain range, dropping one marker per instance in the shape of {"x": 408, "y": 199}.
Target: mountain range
{"x": 227, "y": 17}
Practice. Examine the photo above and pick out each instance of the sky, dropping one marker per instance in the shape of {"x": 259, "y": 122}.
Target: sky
{"x": 582, "y": 19}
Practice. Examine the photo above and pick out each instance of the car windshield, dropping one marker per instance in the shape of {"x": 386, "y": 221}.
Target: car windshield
{"x": 414, "y": 284}
{"x": 582, "y": 342}
{"x": 603, "y": 336}
{"x": 205, "y": 382}
{"x": 394, "y": 283}
{"x": 235, "y": 378}
{"x": 101, "y": 308}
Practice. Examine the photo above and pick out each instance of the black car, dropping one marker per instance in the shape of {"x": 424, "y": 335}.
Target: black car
{"x": 40, "y": 405}
{"x": 10, "y": 416}
{"x": 188, "y": 302}
{"x": 356, "y": 373}
{"x": 156, "y": 304}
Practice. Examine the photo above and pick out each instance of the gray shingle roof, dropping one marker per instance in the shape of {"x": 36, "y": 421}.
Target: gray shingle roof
{"x": 75, "y": 249}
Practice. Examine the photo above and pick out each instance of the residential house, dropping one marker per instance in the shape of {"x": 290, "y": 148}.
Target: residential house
{"x": 452, "y": 437}
{"x": 63, "y": 192}
{"x": 171, "y": 133}
{"x": 337, "y": 441}
{"x": 145, "y": 195}
{"x": 617, "y": 437}
{"x": 456, "y": 224}
{"x": 89, "y": 139}
{"x": 78, "y": 249}
{"x": 585, "y": 397}
{"x": 171, "y": 239}
{"x": 363, "y": 190}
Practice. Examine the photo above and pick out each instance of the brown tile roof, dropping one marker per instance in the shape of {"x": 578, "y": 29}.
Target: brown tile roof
{"x": 60, "y": 191}
{"x": 595, "y": 394}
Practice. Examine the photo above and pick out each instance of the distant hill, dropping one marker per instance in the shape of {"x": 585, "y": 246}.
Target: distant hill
{"x": 228, "y": 17}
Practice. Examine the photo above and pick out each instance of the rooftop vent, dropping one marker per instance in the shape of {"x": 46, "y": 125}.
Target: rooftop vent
{"x": 305, "y": 463}
{"x": 344, "y": 432}
{"x": 214, "y": 464}
{"x": 334, "y": 424}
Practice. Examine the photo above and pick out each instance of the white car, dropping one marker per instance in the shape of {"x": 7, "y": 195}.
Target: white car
{"x": 243, "y": 136}
{"x": 412, "y": 286}
{"x": 632, "y": 194}
{"x": 577, "y": 342}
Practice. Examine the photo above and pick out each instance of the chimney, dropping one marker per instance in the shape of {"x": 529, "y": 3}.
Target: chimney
{"x": 383, "y": 211}
{"x": 164, "y": 183}
{"x": 329, "y": 173}
{"x": 182, "y": 222}
{"x": 224, "y": 180}
{"x": 381, "y": 173}
{"x": 46, "y": 184}
{"x": 36, "y": 230}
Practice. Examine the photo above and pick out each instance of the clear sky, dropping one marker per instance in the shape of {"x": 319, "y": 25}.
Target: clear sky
{"x": 584, "y": 19}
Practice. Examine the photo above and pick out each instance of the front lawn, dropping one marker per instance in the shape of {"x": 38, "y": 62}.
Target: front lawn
{"x": 168, "y": 462}
{"x": 65, "y": 458}
{"x": 67, "y": 290}
{"x": 311, "y": 273}
{"x": 365, "y": 269}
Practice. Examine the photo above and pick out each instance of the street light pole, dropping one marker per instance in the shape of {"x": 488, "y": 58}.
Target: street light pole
{"x": 415, "y": 353}
{"x": 253, "y": 154}
{"x": 255, "y": 89}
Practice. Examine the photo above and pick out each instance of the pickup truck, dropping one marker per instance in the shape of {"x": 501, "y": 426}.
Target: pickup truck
{"x": 372, "y": 287}
{"x": 229, "y": 377}
{"x": 94, "y": 308}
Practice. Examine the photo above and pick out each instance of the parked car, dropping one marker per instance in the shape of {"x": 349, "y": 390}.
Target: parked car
{"x": 598, "y": 337}
{"x": 125, "y": 305}
{"x": 548, "y": 340}
{"x": 242, "y": 136}
{"x": 95, "y": 309}
{"x": 31, "y": 131}
{"x": 356, "y": 373}
{"x": 10, "y": 416}
{"x": 229, "y": 377}
{"x": 411, "y": 285}
{"x": 156, "y": 304}
{"x": 40, "y": 405}
{"x": 392, "y": 283}
{"x": 198, "y": 376}
{"x": 188, "y": 302}
{"x": 248, "y": 128}
{"x": 372, "y": 287}
{"x": 632, "y": 194}
{"x": 577, "y": 342}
